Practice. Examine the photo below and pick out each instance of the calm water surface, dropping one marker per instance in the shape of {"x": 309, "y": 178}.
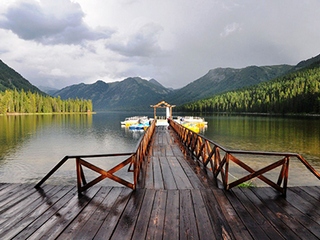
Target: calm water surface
{"x": 31, "y": 145}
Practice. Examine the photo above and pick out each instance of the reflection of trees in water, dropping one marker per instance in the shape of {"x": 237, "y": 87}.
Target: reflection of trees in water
{"x": 264, "y": 133}
{"x": 16, "y": 129}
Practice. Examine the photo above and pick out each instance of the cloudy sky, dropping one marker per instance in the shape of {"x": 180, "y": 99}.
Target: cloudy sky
{"x": 63, "y": 42}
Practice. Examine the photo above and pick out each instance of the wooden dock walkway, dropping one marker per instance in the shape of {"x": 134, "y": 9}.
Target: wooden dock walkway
{"x": 173, "y": 201}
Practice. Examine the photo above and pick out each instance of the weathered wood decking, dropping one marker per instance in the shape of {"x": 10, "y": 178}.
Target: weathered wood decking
{"x": 174, "y": 201}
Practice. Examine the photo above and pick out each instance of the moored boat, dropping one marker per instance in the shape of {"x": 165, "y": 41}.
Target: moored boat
{"x": 192, "y": 126}
{"x": 134, "y": 120}
{"x": 190, "y": 119}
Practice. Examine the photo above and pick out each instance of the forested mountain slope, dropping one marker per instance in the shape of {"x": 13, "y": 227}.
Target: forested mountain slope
{"x": 10, "y": 79}
{"x": 225, "y": 79}
{"x": 296, "y": 92}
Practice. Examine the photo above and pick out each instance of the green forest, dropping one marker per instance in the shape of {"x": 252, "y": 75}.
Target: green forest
{"x": 297, "y": 93}
{"x": 14, "y": 101}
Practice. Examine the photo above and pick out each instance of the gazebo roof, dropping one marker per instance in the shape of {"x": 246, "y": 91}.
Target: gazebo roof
{"x": 162, "y": 104}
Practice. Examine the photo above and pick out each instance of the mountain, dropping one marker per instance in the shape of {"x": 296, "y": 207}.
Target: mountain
{"x": 130, "y": 94}
{"x": 225, "y": 79}
{"x": 137, "y": 94}
{"x": 10, "y": 79}
{"x": 309, "y": 63}
{"x": 297, "y": 92}
{"x": 49, "y": 90}
{"x": 155, "y": 82}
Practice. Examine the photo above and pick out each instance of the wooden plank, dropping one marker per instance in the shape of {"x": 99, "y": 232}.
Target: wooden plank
{"x": 230, "y": 214}
{"x": 3, "y": 186}
{"x": 168, "y": 141}
{"x": 102, "y": 207}
{"x": 85, "y": 225}
{"x": 168, "y": 178}
{"x": 8, "y": 205}
{"x": 254, "y": 220}
{"x": 303, "y": 217}
{"x": 304, "y": 202}
{"x": 50, "y": 204}
{"x": 180, "y": 176}
{"x": 126, "y": 224}
{"x": 312, "y": 191}
{"x": 171, "y": 222}
{"x": 273, "y": 218}
{"x": 252, "y": 204}
{"x": 12, "y": 212}
{"x": 203, "y": 221}
{"x": 270, "y": 198}
{"x": 141, "y": 228}
{"x": 188, "y": 221}
{"x": 53, "y": 227}
{"x": 113, "y": 216}
{"x": 157, "y": 173}
{"x": 15, "y": 217}
{"x": 156, "y": 221}
{"x": 190, "y": 172}
{"x": 149, "y": 184}
{"x": 11, "y": 191}
{"x": 219, "y": 223}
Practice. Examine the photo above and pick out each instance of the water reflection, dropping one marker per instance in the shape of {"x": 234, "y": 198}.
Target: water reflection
{"x": 31, "y": 145}
{"x": 266, "y": 133}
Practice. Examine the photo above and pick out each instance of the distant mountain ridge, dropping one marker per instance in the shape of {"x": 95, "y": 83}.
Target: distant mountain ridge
{"x": 133, "y": 93}
{"x": 226, "y": 79}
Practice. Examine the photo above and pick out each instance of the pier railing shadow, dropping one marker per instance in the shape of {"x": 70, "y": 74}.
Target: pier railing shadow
{"x": 134, "y": 162}
{"x": 217, "y": 159}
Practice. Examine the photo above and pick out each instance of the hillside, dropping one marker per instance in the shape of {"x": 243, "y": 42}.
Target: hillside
{"x": 129, "y": 94}
{"x": 226, "y": 79}
{"x": 295, "y": 92}
{"x": 138, "y": 94}
{"x": 10, "y": 79}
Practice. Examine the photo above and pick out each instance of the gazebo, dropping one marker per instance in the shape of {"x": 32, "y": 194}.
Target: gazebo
{"x": 163, "y": 104}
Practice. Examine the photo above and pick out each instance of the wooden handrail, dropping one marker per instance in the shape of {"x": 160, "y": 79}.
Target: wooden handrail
{"x": 206, "y": 151}
{"x": 134, "y": 160}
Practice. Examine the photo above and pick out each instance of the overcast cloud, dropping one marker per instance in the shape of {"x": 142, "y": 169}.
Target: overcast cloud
{"x": 63, "y": 42}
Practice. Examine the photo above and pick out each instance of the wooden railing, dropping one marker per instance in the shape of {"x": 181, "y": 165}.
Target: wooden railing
{"x": 134, "y": 160}
{"x": 208, "y": 152}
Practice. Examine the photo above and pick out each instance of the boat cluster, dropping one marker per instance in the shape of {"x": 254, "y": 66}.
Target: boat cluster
{"x": 137, "y": 122}
{"x": 196, "y": 124}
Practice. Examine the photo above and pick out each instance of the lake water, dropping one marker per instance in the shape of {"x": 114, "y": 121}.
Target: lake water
{"x": 31, "y": 145}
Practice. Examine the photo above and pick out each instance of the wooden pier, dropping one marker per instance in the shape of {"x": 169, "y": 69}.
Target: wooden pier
{"x": 173, "y": 200}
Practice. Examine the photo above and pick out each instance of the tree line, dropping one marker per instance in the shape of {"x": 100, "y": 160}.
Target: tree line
{"x": 298, "y": 92}
{"x": 14, "y": 101}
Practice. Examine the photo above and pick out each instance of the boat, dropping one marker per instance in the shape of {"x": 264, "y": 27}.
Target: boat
{"x": 134, "y": 120}
{"x": 190, "y": 119}
{"x": 192, "y": 126}
{"x": 139, "y": 126}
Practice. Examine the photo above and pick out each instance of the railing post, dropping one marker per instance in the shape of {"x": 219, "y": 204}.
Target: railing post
{"x": 286, "y": 176}
{"x": 78, "y": 170}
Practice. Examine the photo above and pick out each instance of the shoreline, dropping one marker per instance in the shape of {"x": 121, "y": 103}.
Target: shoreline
{"x": 53, "y": 113}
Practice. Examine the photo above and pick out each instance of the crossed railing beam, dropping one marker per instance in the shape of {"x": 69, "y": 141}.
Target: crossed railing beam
{"x": 134, "y": 160}
{"x": 206, "y": 151}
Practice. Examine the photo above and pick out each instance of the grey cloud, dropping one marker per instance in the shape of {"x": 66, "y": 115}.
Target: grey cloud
{"x": 38, "y": 22}
{"x": 143, "y": 43}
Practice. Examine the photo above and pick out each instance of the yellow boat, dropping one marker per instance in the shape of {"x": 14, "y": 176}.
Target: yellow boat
{"x": 192, "y": 126}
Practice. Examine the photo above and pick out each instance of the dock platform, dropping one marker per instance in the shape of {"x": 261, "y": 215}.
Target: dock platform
{"x": 174, "y": 201}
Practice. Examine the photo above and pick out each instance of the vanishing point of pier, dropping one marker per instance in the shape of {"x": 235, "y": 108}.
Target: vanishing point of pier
{"x": 179, "y": 190}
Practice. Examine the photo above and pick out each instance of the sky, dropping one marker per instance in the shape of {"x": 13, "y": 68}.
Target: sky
{"x": 58, "y": 43}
